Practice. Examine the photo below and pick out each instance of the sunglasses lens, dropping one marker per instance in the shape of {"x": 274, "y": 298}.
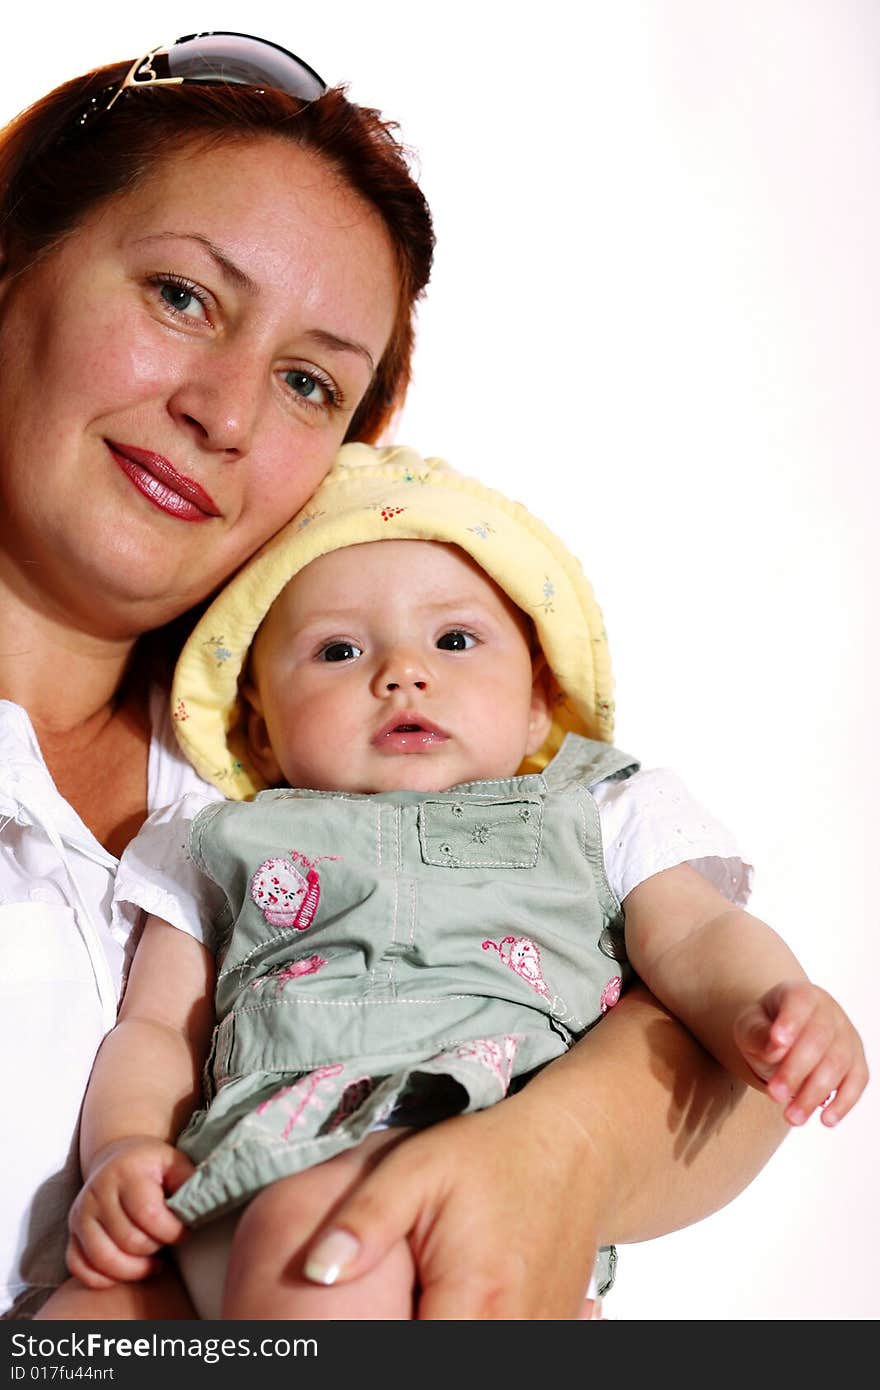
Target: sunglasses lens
{"x": 239, "y": 58}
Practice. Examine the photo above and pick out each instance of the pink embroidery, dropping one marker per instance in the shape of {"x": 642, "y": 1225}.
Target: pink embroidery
{"x": 290, "y": 970}
{"x": 524, "y": 959}
{"x": 497, "y": 1057}
{"x": 303, "y": 1095}
{"x": 181, "y": 713}
{"x": 284, "y": 897}
{"x": 611, "y": 993}
{"x": 388, "y": 512}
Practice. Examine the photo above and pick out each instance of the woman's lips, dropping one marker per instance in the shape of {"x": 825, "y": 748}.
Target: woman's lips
{"x": 407, "y": 732}
{"x": 162, "y": 485}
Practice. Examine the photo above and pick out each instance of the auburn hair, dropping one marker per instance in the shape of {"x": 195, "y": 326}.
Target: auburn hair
{"x": 55, "y": 171}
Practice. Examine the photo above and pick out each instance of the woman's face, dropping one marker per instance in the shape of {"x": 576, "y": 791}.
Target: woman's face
{"x": 177, "y": 376}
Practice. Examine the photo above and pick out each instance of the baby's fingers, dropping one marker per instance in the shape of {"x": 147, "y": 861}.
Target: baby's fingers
{"x": 111, "y": 1220}
{"x": 765, "y": 1031}
{"x": 799, "y": 1065}
{"x": 751, "y": 1031}
{"x": 789, "y": 1007}
{"x": 848, "y": 1093}
{"x": 82, "y": 1268}
{"x": 841, "y": 1073}
{"x": 95, "y": 1259}
{"x": 150, "y": 1221}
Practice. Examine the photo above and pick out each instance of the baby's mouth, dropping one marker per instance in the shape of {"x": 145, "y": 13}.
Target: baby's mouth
{"x": 408, "y": 734}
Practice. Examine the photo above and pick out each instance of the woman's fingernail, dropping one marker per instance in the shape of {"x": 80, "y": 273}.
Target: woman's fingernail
{"x": 330, "y": 1256}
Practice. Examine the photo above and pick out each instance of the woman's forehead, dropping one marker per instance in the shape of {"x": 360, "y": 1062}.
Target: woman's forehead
{"x": 264, "y": 184}
{"x": 275, "y": 220}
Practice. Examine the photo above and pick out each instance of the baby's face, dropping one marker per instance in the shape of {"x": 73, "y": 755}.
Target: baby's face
{"x": 394, "y": 666}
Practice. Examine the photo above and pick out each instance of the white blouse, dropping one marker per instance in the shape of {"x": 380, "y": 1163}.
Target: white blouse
{"x": 68, "y": 927}
{"x": 60, "y": 976}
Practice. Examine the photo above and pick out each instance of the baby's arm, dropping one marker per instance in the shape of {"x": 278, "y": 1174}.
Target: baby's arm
{"x": 739, "y": 989}
{"x": 144, "y": 1084}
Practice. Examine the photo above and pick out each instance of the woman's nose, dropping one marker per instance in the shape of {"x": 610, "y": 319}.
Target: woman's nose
{"x": 221, "y": 404}
{"x": 401, "y": 670}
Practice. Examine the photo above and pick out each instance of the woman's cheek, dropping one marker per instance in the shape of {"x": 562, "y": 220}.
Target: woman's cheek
{"x": 279, "y": 483}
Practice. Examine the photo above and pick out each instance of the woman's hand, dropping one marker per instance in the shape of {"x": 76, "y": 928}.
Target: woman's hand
{"x": 498, "y": 1208}
{"x": 634, "y": 1132}
{"x": 120, "y": 1218}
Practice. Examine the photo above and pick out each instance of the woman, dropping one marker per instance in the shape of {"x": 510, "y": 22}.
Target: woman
{"x": 205, "y": 290}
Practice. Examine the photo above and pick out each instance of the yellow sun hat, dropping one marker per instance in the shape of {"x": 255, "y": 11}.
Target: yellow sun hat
{"x": 394, "y": 494}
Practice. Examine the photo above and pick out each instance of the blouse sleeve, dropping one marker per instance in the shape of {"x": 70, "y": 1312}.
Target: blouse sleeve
{"x": 156, "y": 875}
{"x": 650, "y": 822}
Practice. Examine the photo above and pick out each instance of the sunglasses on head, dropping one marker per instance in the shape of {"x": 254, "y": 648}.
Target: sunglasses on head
{"x": 216, "y": 57}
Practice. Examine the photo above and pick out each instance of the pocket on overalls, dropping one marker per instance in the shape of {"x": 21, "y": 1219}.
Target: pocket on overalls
{"x": 499, "y": 833}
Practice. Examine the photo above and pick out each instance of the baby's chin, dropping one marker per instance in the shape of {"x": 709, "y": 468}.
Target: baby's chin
{"x": 348, "y": 786}
{"x": 417, "y": 774}
{"x": 413, "y": 773}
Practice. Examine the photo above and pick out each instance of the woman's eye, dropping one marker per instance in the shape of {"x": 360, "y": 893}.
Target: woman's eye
{"x": 456, "y": 641}
{"x": 181, "y": 297}
{"x": 340, "y": 651}
{"x": 310, "y": 387}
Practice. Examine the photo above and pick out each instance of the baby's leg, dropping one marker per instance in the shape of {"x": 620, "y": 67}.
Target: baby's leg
{"x": 265, "y": 1278}
{"x": 160, "y": 1297}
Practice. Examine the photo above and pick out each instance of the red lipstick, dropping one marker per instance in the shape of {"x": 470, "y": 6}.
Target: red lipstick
{"x": 408, "y": 732}
{"x": 161, "y": 484}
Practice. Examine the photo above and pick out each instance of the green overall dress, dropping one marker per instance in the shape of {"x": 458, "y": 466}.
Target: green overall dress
{"x": 394, "y": 958}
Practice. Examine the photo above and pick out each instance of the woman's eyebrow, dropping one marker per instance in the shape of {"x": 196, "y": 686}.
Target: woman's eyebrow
{"x": 334, "y": 343}
{"x": 322, "y": 336}
{"x": 233, "y": 272}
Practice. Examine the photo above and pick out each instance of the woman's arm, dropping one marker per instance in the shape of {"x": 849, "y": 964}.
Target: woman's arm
{"x": 633, "y": 1133}
{"x": 675, "y": 1136}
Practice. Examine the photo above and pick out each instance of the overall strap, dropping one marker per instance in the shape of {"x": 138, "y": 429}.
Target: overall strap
{"x": 582, "y": 762}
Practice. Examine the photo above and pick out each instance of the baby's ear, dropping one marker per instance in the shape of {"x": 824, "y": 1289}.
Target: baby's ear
{"x": 541, "y": 709}
{"x": 257, "y": 733}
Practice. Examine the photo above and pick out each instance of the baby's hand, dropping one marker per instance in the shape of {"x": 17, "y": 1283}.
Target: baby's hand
{"x": 799, "y": 1040}
{"x": 120, "y": 1218}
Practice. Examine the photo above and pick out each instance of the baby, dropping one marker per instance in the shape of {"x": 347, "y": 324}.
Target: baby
{"x": 416, "y": 911}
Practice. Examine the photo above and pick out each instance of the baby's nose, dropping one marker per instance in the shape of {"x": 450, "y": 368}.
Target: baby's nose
{"x": 403, "y": 670}
{"x": 419, "y": 683}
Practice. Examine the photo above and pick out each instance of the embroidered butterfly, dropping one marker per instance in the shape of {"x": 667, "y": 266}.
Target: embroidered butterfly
{"x": 522, "y": 956}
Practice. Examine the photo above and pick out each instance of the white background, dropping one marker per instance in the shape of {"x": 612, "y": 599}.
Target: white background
{"x": 655, "y": 320}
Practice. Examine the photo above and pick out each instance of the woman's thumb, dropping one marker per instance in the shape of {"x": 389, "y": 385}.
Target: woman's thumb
{"x": 381, "y": 1211}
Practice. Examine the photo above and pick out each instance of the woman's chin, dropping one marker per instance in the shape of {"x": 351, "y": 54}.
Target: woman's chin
{"x": 118, "y": 592}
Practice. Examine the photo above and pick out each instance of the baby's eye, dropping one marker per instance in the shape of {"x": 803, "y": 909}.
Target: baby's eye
{"x": 456, "y": 641}
{"x": 310, "y": 387}
{"x": 340, "y": 651}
